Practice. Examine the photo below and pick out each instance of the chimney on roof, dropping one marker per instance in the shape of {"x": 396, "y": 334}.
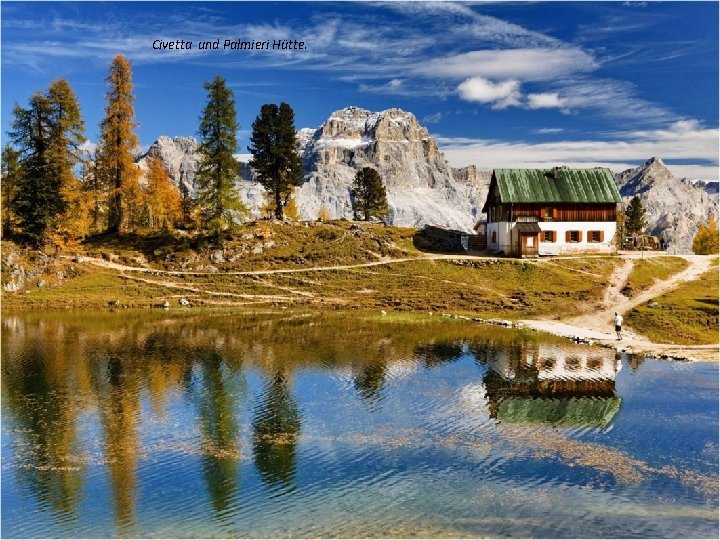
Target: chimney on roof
{"x": 555, "y": 172}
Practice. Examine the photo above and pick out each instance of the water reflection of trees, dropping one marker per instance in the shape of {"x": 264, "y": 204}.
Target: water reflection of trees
{"x": 276, "y": 426}
{"x": 218, "y": 427}
{"x": 369, "y": 380}
{"x": 118, "y": 393}
{"x": 437, "y": 354}
{"x": 58, "y": 370}
{"x": 43, "y": 410}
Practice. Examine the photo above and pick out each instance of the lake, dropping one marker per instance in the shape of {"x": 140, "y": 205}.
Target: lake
{"x": 180, "y": 424}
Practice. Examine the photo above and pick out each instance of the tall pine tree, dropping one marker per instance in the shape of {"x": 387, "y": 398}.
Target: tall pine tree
{"x": 48, "y": 135}
{"x": 115, "y": 163}
{"x": 275, "y": 160}
{"x": 68, "y": 134}
{"x": 218, "y": 199}
{"x": 635, "y": 216}
{"x": 37, "y": 201}
{"x": 369, "y": 195}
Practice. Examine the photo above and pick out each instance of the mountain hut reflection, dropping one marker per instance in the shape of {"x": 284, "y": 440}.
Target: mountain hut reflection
{"x": 555, "y": 385}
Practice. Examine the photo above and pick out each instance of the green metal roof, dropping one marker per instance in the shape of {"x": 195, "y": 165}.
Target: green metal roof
{"x": 583, "y": 411}
{"x": 571, "y": 185}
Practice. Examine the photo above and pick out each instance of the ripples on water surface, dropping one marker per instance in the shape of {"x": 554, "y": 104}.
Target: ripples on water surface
{"x": 151, "y": 425}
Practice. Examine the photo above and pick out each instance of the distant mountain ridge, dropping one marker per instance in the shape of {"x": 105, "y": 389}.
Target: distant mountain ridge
{"x": 674, "y": 208}
{"x": 422, "y": 187}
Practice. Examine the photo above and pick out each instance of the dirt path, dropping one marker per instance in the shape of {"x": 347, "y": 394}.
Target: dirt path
{"x": 597, "y": 325}
{"x": 125, "y": 268}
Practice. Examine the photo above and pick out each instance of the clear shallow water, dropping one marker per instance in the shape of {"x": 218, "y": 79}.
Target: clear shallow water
{"x": 162, "y": 425}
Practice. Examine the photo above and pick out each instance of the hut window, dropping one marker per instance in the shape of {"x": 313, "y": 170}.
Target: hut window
{"x": 595, "y": 236}
{"x": 494, "y": 237}
{"x": 548, "y": 236}
{"x": 572, "y": 363}
{"x": 573, "y": 236}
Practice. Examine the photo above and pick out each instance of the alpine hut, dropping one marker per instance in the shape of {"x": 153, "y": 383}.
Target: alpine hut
{"x": 533, "y": 212}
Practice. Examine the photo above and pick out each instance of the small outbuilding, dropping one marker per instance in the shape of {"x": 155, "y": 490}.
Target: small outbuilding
{"x": 533, "y": 212}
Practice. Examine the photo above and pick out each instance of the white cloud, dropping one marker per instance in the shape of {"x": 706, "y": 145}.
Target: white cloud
{"x": 549, "y": 100}
{"x": 501, "y": 95}
{"x": 88, "y": 146}
{"x": 682, "y": 141}
{"x": 548, "y": 131}
{"x": 521, "y": 64}
{"x": 433, "y": 118}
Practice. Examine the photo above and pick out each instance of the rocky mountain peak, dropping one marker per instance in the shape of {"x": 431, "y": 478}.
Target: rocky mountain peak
{"x": 422, "y": 187}
{"x": 674, "y": 208}
{"x": 638, "y": 180}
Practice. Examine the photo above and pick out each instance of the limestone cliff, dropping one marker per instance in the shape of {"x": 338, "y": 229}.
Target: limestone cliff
{"x": 674, "y": 208}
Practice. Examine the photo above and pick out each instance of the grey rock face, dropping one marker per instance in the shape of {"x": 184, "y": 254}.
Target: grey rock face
{"x": 422, "y": 187}
{"x": 674, "y": 208}
{"x": 180, "y": 157}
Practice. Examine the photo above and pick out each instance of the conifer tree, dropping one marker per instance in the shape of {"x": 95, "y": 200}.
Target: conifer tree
{"x": 162, "y": 197}
{"x": 64, "y": 154}
{"x": 707, "y": 239}
{"x": 218, "y": 199}
{"x": 369, "y": 195}
{"x": 275, "y": 160}
{"x": 115, "y": 164}
{"x": 635, "y": 216}
{"x": 9, "y": 180}
{"x": 37, "y": 200}
{"x": 92, "y": 184}
{"x": 188, "y": 207}
{"x": 48, "y": 135}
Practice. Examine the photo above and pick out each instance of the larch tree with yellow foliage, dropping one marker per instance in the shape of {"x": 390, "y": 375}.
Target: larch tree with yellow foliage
{"x": 162, "y": 197}
{"x": 115, "y": 163}
{"x": 707, "y": 239}
{"x": 68, "y": 134}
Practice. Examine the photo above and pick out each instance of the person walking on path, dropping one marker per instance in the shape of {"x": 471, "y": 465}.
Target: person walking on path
{"x": 618, "y": 325}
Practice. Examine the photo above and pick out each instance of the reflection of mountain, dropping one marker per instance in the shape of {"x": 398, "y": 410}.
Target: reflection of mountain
{"x": 573, "y": 386}
{"x": 276, "y": 425}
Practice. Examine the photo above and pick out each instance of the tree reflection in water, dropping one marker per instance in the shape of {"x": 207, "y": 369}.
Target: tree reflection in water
{"x": 276, "y": 426}
{"x": 44, "y": 415}
{"x": 219, "y": 431}
{"x": 369, "y": 380}
{"x": 119, "y": 401}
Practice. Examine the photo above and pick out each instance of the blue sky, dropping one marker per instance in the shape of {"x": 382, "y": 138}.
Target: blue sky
{"x": 499, "y": 84}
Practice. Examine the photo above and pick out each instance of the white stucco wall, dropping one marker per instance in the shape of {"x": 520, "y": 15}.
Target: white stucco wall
{"x": 502, "y": 228}
{"x": 560, "y": 246}
{"x": 507, "y": 237}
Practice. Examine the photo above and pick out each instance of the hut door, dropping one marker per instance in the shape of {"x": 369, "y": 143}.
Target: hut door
{"x": 528, "y": 245}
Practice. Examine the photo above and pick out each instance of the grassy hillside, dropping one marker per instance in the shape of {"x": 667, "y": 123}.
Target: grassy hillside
{"x": 688, "y": 315}
{"x": 647, "y": 271}
{"x": 207, "y": 274}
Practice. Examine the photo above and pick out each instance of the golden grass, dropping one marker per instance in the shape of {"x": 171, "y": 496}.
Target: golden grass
{"x": 687, "y": 315}
{"x": 646, "y": 271}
